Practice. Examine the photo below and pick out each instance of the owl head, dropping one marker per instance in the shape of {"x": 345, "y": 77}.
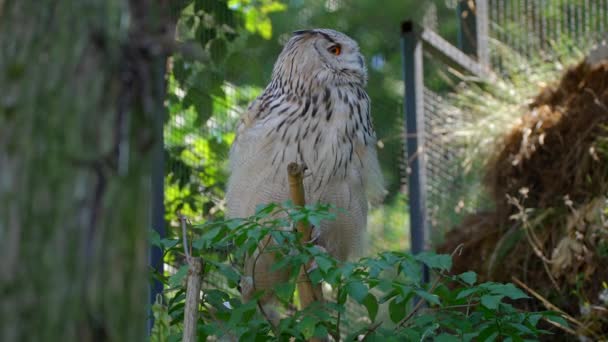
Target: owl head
{"x": 320, "y": 57}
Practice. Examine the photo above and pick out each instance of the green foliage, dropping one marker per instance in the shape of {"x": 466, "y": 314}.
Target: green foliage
{"x": 256, "y": 14}
{"x": 203, "y": 101}
{"x": 162, "y": 330}
{"x": 397, "y": 304}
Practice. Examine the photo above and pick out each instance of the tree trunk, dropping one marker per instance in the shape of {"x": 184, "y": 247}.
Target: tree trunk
{"x": 81, "y": 88}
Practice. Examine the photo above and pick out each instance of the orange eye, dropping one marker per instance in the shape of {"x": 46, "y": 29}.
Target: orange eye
{"x": 335, "y": 50}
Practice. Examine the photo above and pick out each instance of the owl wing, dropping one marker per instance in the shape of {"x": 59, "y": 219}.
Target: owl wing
{"x": 374, "y": 181}
{"x": 253, "y": 180}
{"x": 343, "y": 236}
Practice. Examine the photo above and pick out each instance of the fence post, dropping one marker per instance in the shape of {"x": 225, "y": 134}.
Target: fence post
{"x": 414, "y": 126}
{"x": 157, "y": 212}
{"x": 474, "y": 29}
{"x": 483, "y": 32}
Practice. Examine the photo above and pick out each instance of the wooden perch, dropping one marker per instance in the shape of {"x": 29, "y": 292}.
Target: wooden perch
{"x": 193, "y": 290}
{"x": 308, "y": 293}
{"x": 193, "y": 294}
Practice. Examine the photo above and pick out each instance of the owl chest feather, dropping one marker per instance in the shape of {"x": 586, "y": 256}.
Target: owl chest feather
{"x": 327, "y": 130}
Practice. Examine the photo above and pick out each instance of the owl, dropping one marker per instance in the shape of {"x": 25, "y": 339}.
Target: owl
{"x": 315, "y": 112}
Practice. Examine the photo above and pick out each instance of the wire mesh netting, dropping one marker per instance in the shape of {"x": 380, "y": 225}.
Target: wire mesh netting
{"x": 441, "y": 169}
{"x": 530, "y": 25}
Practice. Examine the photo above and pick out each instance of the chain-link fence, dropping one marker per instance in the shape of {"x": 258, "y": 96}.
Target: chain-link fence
{"x": 530, "y": 25}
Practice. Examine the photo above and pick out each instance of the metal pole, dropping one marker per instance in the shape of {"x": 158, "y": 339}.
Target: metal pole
{"x": 482, "y": 25}
{"x": 473, "y": 30}
{"x": 467, "y": 28}
{"x": 157, "y": 214}
{"x": 414, "y": 127}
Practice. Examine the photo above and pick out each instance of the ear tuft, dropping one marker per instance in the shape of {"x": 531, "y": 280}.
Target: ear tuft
{"x": 300, "y": 32}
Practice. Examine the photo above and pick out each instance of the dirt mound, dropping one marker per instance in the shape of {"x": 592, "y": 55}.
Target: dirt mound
{"x": 549, "y": 181}
{"x": 553, "y": 150}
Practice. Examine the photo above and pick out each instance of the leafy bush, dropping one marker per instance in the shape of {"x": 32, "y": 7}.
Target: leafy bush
{"x": 397, "y": 304}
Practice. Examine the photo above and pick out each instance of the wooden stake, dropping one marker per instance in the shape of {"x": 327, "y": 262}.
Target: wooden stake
{"x": 193, "y": 289}
{"x": 193, "y": 293}
{"x": 308, "y": 293}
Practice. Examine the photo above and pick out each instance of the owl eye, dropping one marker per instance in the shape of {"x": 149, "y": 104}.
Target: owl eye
{"x": 335, "y": 49}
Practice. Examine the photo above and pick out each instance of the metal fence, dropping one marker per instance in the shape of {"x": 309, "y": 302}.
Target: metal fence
{"x": 530, "y": 25}
{"x": 430, "y": 157}
{"x": 530, "y": 28}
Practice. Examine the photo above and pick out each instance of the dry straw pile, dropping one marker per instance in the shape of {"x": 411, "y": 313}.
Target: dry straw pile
{"x": 548, "y": 178}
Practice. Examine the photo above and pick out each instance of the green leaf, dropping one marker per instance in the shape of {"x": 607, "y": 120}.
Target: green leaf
{"x": 488, "y": 334}
{"x": 177, "y": 278}
{"x": 371, "y": 304}
{"x": 432, "y": 260}
{"x": 397, "y": 310}
{"x": 491, "y": 301}
{"x": 390, "y": 294}
{"x": 507, "y": 290}
{"x": 446, "y": 338}
{"x": 155, "y": 238}
{"x": 467, "y": 292}
{"x": 218, "y": 50}
{"x": 557, "y": 319}
{"x": 205, "y": 34}
{"x": 521, "y": 330}
{"x": 204, "y": 110}
{"x": 468, "y": 277}
{"x": 212, "y": 234}
{"x": 429, "y": 297}
{"x": 175, "y": 337}
{"x": 324, "y": 263}
{"x": 347, "y": 269}
{"x": 314, "y": 220}
{"x": 412, "y": 270}
{"x": 284, "y": 291}
{"x": 217, "y": 298}
{"x": 236, "y": 316}
{"x": 357, "y": 290}
{"x": 231, "y": 275}
{"x": 169, "y": 243}
{"x": 263, "y": 210}
{"x": 307, "y": 326}
{"x": 321, "y": 331}
{"x": 315, "y": 276}
{"x": 234, "y": 223}
{"x": 534, "y": 318}
{"x": 342, "y": 296}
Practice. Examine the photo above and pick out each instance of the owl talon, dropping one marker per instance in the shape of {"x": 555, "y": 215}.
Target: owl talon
{"x": 306, "y": 171}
